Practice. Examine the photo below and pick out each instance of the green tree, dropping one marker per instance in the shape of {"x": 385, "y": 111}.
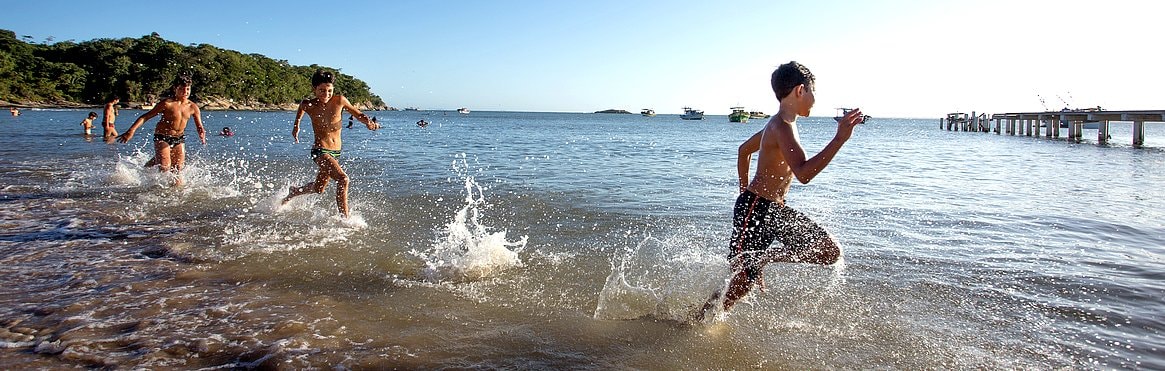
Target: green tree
{"x": 141, "y": 70}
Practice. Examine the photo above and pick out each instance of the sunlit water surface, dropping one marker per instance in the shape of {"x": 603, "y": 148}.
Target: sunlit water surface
{"x": 545, "y": 240}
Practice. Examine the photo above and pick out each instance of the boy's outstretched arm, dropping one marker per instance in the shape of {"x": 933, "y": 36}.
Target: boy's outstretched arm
{"x": 198, "y": 124}
{"x": 744, "y": 158}
{"x": 806, "y": 169}
{"x": 128, "y": 134}
{"x": 360, "y": 116}
{"x": 298, "y": 118}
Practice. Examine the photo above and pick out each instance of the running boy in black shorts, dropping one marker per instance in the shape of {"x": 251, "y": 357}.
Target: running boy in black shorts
{"x": 325, "y": 111}
{"x": 170, "y": 134}
{"x": 760, "y": 215}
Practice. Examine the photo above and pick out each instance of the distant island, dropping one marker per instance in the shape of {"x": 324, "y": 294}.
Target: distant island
{"x": 619, "y": 111}
{"x": 89, "y": 73}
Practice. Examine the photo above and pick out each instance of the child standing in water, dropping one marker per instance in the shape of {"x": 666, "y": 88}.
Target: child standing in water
{"x": 170, "y": 134}
{"x": 326, "y": 112}
{"x": 87, "y": 123}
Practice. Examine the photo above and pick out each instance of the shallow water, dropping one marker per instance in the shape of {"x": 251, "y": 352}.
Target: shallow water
{"x": 545, "y": 240}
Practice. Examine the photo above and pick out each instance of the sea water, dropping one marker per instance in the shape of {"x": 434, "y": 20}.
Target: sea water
{"x": 558, "y": 240}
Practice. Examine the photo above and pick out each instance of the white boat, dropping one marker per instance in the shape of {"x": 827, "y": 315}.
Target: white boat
{"x": 647, "y": 112}
{"x": 841, "y": 112}
{"x": 692, "y": 114}
{"x": 463, "y": 111}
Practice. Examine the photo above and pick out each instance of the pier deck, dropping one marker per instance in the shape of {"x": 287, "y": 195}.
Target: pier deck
{"x": 1031, "y": 123}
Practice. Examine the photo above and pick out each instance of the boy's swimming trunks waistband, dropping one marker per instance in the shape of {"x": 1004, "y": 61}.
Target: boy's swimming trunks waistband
{"x": 316, "y": 152}
{"x": 170, "y": 140}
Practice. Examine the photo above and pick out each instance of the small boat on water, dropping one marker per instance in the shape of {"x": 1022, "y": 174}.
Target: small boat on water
{"x": 412, "y": 109}
{"x": 757, "y": 115}
{"x": 647, "y": 112}
{"x": 692, "y": 114}
{"x": 738, "y": 115}
{"x": 463, "y": 111}
{"x": 841, "y": 112}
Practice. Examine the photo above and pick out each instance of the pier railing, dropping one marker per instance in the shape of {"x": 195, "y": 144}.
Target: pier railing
{"x": 1048, "y": 124}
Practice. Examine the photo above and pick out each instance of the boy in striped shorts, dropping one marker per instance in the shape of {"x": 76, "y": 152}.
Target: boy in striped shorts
{"x": 760, "y": 215}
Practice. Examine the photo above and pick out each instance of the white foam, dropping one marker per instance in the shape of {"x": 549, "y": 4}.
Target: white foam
{"x": 661, "y": 278}
{"x": 273, "y": 203}
{"x": 355, "y": 220}
{"x": 128, "y": 170}
{"x": 467, "y": 249}
{"x": 621, "y": 300}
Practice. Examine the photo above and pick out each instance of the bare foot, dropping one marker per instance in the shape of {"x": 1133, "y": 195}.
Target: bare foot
{"x": 760, "y": 280}
{"x": 702, "y": 312}
{"x": 290, "y": 192}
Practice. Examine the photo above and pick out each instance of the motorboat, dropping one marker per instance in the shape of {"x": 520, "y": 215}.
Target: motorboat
{"x": 647, "y": 112}
{"x": 692, "y": 114}
{"x": 841, "y": 112}
{"x": 738, "y": 115}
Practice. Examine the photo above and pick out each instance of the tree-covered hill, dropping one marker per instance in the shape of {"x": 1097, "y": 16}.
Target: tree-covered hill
{"x": 141, "y": 69}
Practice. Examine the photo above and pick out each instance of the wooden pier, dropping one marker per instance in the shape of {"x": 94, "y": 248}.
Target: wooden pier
{"x": 1048, "y": 123}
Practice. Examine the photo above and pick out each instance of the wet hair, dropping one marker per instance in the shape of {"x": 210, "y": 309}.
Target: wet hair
{"x": 321, "y": 77}
{"x": 92, "y": 114}
{"x": 181, "y": 80}
{"x": 788, "y": 76}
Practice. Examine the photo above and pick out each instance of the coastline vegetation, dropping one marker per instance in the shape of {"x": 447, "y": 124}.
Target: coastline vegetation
{"x": 140, "y": 70}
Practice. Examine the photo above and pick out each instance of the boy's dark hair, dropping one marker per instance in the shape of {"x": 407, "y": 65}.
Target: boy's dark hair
{"x": 321, "y": 77}
{"x": 92, "y": 114}
{"x": 788, "y": 76}
{"x": 180, "y": 81}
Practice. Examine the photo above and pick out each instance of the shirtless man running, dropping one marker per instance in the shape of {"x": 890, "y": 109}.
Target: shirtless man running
{"x": 326, "y": 112}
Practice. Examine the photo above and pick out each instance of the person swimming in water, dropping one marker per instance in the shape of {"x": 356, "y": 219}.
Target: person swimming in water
{"x": 226, "y": 132}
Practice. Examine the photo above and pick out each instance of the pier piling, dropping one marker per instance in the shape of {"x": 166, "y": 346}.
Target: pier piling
{"x": 1138, "y": 133}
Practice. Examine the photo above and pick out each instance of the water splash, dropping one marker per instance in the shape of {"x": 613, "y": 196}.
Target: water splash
{"x": 621, "y": 300}
{"x": 466, "y": 248}
{"x": 663, "y": 279}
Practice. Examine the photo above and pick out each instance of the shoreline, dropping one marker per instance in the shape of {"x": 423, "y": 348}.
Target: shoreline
{"x": 209, "y": 104}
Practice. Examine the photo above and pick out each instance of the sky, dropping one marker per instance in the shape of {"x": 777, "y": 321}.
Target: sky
{"x": 892, "y": 58}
